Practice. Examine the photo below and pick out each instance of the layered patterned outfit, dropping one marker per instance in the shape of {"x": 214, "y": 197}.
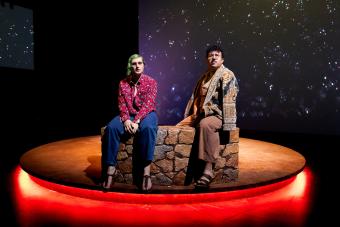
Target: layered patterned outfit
{"x": 215, "y": 96}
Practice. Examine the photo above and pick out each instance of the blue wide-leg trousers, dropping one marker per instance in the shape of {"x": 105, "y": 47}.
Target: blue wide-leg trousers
{"x": 145, "y": 136}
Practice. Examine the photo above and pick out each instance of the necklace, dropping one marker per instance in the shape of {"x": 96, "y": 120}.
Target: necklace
{"x": 134, "y": 85}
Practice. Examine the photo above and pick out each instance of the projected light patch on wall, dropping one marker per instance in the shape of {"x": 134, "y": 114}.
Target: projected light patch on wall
{"x": 16, "y": 37}
{"x": 285, "y": 54}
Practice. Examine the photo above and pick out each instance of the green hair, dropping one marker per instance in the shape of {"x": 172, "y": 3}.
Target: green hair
{"x": 129, "y": 66}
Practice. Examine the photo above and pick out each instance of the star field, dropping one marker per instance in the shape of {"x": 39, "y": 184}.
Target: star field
{"x": 285, "y": 55}
{"x": 16, "y": 37}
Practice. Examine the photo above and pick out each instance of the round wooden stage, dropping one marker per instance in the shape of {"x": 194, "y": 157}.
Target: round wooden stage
{"x": 76, "y": 162}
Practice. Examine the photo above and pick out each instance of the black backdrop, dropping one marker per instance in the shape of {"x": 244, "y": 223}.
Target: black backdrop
{"x": 80, "y": 49}
{"x": 80, "y": 55}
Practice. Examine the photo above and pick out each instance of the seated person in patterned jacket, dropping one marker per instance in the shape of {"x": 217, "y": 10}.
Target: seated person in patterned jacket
{"x": 137, "y": 106}
{"x": 212, "y": 107}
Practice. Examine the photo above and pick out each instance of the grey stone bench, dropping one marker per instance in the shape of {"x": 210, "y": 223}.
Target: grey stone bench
{"x": 172, "y": 153}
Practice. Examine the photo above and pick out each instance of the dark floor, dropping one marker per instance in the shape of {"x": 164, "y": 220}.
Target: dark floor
{"x": 320, "y": 152}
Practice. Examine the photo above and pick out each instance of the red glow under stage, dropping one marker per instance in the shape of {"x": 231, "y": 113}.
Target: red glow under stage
{"x": 41, "y": 203}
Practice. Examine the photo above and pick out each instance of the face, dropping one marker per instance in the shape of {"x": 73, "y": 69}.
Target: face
{"x": 215, "y": 60}
{"x": 137, "y": 66}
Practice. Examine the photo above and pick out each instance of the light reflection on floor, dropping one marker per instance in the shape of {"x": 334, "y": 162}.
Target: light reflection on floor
{"x": 41, "y": 203}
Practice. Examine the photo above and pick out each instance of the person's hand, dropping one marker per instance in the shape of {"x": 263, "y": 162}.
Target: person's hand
{"x": 128, "y": 126}
{"x": 134, "y": 127}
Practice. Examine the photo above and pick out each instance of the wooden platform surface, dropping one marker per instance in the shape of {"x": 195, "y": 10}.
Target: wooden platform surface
{"x": 76, "y": 162}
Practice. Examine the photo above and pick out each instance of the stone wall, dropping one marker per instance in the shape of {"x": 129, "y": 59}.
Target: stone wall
{"x": 171, "y": 157}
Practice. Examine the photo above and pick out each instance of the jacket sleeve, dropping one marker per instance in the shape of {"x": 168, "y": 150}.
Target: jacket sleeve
{"x": 123, "y": 110}
{"x": 230, "y": 90}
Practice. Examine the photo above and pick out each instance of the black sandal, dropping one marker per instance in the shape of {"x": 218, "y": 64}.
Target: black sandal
{"x": 204, "y": 181}
{"x": 111, "y": 174}
{"x": 146, "y": 179}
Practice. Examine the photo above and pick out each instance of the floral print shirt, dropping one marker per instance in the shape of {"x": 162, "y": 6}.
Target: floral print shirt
{"x": 140, "y": 104}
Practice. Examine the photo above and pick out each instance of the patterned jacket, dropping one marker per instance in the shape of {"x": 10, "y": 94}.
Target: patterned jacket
{"x": 220, "y": 100}
{"x": 142, "y": 104}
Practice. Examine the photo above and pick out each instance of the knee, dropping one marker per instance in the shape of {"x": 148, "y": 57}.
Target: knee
{"x": 111, "y": 128}
{"x": 204, "y": 124}
{"x": 148, "y": 129}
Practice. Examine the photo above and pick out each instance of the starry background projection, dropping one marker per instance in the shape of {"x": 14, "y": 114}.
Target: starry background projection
{"x": 285, "y": 55}
{"x": 16, "y": 37}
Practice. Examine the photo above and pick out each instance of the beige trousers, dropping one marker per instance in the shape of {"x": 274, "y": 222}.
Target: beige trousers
{"x": 209, "y": 139}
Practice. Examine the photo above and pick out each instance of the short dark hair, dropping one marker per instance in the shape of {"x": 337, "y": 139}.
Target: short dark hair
{"x": 214, "y": 48}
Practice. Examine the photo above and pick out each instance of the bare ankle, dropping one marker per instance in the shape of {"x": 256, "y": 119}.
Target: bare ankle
{"x": 147, "y": 170}
{"x": 111, "y": 170}
{"x": 208, "y": 169}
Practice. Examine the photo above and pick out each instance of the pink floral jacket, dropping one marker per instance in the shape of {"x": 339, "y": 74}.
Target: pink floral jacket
{"x": 143, "y": 103}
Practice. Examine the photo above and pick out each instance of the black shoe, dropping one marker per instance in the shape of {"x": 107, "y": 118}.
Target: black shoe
{"x": 112, "y": 172}
{"x": 204, "y": 181}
